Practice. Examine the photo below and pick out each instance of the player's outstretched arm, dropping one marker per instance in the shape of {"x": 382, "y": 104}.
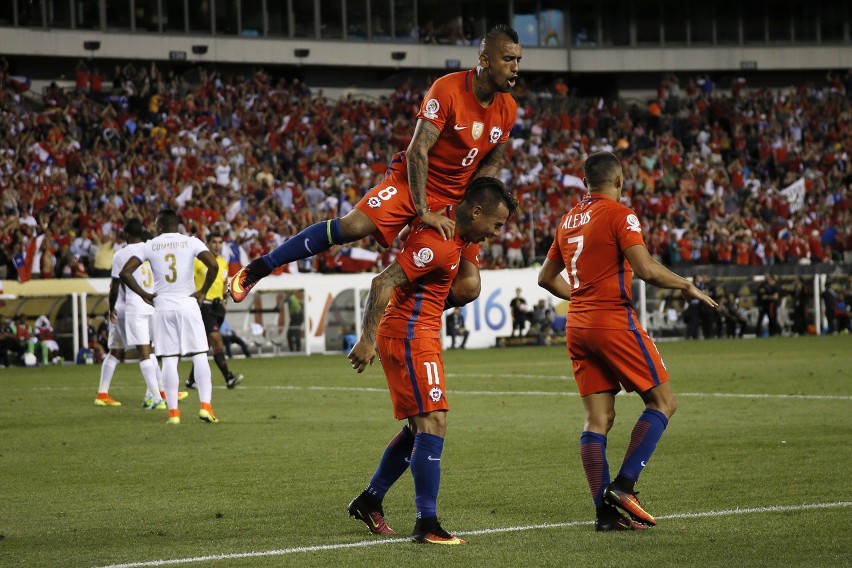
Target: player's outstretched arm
{"x": 364, "y": 351}
{"x": 550, "y": 278}
{"x": 652, "y": 272}
{"x": 417, "y": 154}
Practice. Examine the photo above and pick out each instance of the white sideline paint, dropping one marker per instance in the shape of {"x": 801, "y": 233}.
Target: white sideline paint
{"x": 365, "y": 543}
{"x": 499, "y": 393}
{"x": 558, "y": 393}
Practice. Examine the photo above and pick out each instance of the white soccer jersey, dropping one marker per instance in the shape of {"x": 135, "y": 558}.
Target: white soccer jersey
{"x": 128, "y": 301}
{"x": 172, "y": 258}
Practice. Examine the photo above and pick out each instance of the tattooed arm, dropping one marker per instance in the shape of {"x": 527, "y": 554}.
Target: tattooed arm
{"x": 425, "y": 136}
{"x": 491, "y": 164}
{"x": 381, "y": 288}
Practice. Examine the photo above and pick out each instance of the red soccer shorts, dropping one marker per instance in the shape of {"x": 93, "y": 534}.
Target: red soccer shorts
{"x": 390, "y": 207}
{"x": 414, "y": 370}
{"x": 608, "y": 359}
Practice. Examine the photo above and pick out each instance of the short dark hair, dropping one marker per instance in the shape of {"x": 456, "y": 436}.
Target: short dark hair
{"x": 488, "y": 193}
{"x": 500, "y": 31}
{"x": 133, "y": 228}
{"x": 601, "y": 167}
{"x": 168, "y": 219}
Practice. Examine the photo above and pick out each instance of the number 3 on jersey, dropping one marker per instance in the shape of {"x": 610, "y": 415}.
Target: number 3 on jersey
{"x": 573, "y": 280}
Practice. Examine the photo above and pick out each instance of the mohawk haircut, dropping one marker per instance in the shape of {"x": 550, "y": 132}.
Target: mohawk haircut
{"x": 498, "y": 32}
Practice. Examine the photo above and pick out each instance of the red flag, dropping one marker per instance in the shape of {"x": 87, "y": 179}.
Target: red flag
{"x": 25, "y": 272}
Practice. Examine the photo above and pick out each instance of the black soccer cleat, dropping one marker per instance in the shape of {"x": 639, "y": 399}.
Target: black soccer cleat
{"x": 610, "y": 519}
{"x": 368, "y": 509}
{"x": 429, "y": 531}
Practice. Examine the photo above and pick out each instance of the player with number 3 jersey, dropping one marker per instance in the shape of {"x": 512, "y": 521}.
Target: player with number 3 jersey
{"x": 461, "y": 133}
{"x": 178, "y": 326}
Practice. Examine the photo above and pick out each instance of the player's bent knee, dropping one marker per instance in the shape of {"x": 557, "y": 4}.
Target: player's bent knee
{"x": 355, "y": 225}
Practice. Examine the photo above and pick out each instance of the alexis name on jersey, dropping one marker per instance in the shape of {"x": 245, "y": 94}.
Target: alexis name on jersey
{"x": 578, "y": 220}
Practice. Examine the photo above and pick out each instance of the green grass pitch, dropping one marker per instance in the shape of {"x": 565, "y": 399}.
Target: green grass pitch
{"x": 752, "y": 471}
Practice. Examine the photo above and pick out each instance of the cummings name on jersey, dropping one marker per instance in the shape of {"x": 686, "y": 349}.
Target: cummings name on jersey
{"x": 166, "y": 246}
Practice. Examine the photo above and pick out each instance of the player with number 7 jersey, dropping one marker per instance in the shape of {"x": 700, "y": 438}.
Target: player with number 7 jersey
{"x": 590, "y": 241}
{"x": 599, "y": 242}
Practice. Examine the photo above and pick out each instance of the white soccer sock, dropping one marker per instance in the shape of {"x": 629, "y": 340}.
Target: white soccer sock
{"x": 149, "y": 373}
{"x": 107, "y": 371}
{"x": 159, "y": 373}
{"x": 171, "y": 380}
{"x": 203, "y": 377}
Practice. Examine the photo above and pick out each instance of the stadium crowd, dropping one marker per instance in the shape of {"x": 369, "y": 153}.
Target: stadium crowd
{"x": 741, "y": 177}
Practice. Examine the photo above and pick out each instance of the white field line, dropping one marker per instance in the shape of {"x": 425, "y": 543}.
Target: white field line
{"x": 366, "y": 543}
{"x": 456, "y": 392}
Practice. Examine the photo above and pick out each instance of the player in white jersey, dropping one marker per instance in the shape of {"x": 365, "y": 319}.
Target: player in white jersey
{"x": 178, "y": 326}
{"x": 130, "y": 324}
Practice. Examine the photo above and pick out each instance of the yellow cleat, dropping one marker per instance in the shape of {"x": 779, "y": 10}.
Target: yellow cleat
{"x": 207, "y": 416}
{"x": 173, "y": 420}
{"x": 182, "y": 395}
{"x": 104, "y": 399}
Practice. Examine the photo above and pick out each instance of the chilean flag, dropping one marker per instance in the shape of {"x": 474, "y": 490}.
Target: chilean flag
{"x": 20, "y": 83}
{"x": 44, "y": 152}
{"x": 24, "y": 262}
{"x": 235, "y": 255}
{"x": 357, "y": 259}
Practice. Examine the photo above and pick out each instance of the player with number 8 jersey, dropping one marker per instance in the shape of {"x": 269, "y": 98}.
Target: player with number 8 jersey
{"x": 468, "y": 132}
{"x": 462, "y": 133}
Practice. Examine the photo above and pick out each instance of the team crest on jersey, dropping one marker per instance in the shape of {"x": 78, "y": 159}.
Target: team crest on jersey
{"x": 432, "y": 108}
{"x": 633, "y": 223}
{"x": 374, "y": 202}
{"x": 423, "y": 257}
{"x": 495, "y": 135}
{"x": 436, "y": 394}
{"x": 476, "y": 130}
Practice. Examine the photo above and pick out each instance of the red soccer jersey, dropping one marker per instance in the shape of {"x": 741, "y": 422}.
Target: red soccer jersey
{"x": 590, "y": 241}
{"x": 431, "y": 264}
{"x": 468, "y": 132}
